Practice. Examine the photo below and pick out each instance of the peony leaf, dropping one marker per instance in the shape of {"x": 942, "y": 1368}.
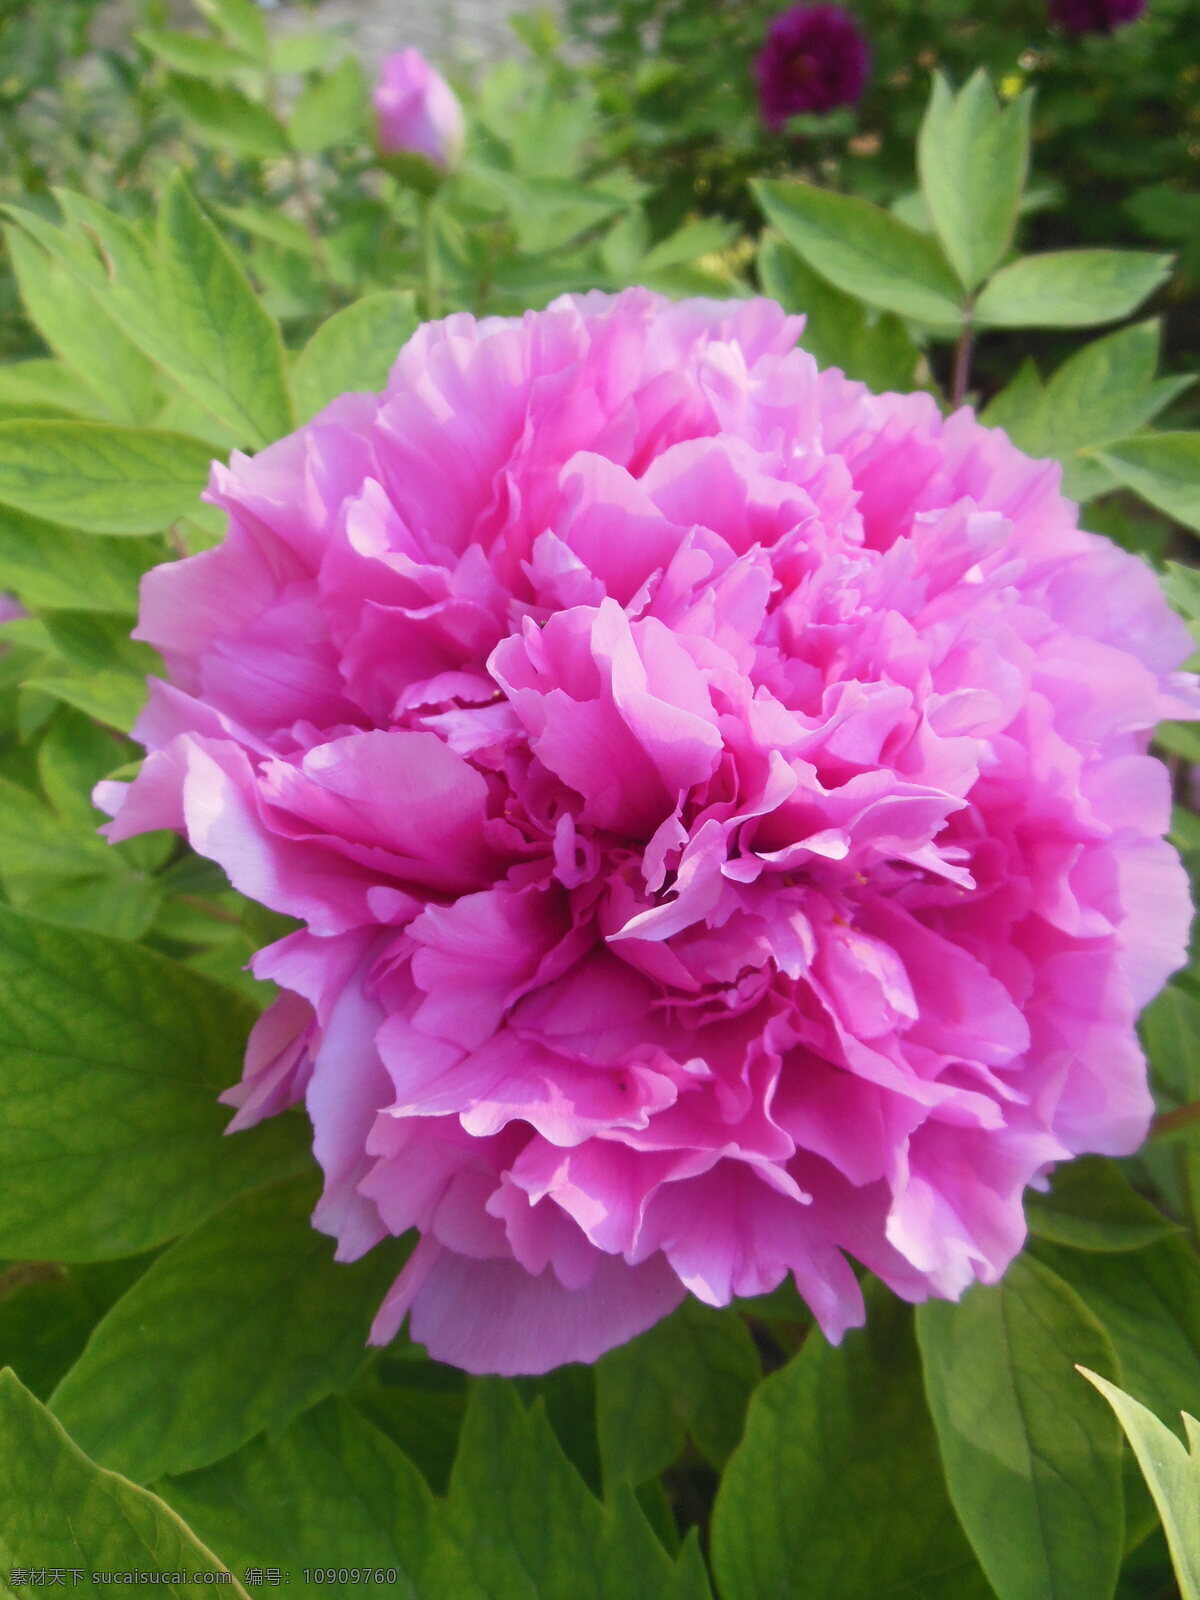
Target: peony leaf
{"x": 45, "y": 1319}
{"x": 521, "y": 1525}
{"x": 239, "y": 1326}
{"x": 973, "y": 158}
{"x": 353, "y": 350}
{"x": 214, "y": 335}
{"x": 43, "y": 382}
{"x": 692, "y": 1373}
{"x": 864, "y": 1511}
{"x": 241, "y": 22}
{"x": 221, "y": 115}
{"x": 45, "y": 565}
{"x": 110, "y": 1062}
{"x": 1172, "y": 1473}
{"x": 276, "y": 227}
{"x": 57, "y": 1509}
{"x": 100, "y": 479}
{"x": 1070, "y": 288}
{"x": 1019, "y": 408}
{"x": 1033, "y": 1465}
{"x": 64, "y": 872}
{"x": 1092, "y": 1206}
{"x": 193, "y": 53}
{"x": 836, "y": 330}
{"x": 65, "y": 312}
{"x": 303, "y": 52}
{"x": 1164, "y": 468}
{"x": 112, "y": 698}
{"x": 1104, "y": 392}
{"x": 1101, "y": 394}
{"x": 165, "y": 300}
{"x": 329, "y": 1491}
{"x": 420, "y": 1410}
{"x": 864, "y": 251}
{"x": 330, "y": 110}
{"x": 1148, "y": 1302}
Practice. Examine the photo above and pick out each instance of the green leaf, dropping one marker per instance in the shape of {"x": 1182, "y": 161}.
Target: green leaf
{"x": 1173, "y": 1474}
{"x": 268, "y": 222}
{"x": 837, "y": 1479}
{"x": 1182, "y": 587}
{"x": 45, "y": 565}
{"x": 702, "y": 237}
{"x": 33, "y": 840}
{"x": 45, "y": 1319}
{"x": 187, "y": 304}
{"x": 48, "y": 383}
{"x": 65, "y": 313}
{"x": 864, "y": 251}
{"x": 113, "y": 698}
{"x": 193, "y": 53}
{"x": 223, "y": 116}
{"x": 57, "y": 1509}
{"x": 111, "y": 1059}
{"x": 973, "y": 158}
{"x": 546, "y": 213}
{"x": 1164, "y": 468}
{"x": 216, "y": 338}
{"x": 1019, "y": 408}
{"x": 98, "y": 478}
{"x": 96, "y": 642}
{"x": 1033, "y": 1465}
{"x": 239, "y": 1326}
{"x": 56, "y": 866}
{"x": 302, "y": 52}
{"x": 107, "y": 670}
{"x": 521, "y": 1525}
{"x": 182, "y": 414}
{"x": 353, "y": 350}
{"x": 836, "y": 330}
{"x": 1149, "y": 1304}
{"x": 123, "y": 905}
{"x": 330, "y": 110}
{"x": 71, "y": 759}
{"x": 1092, "y": 1206}
{"x": 692, "y": 1373}
{"x": 241, "y": 22}
{"x": 1070, "y": 288}
{"x": 1170, "y": 1024}
{"x": 421, "y": 1411}
{"x": 1104, "y": 392}
{"x": 329, "y": 1491}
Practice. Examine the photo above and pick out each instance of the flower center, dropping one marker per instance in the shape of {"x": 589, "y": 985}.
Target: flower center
{"x": 801, "y": 68}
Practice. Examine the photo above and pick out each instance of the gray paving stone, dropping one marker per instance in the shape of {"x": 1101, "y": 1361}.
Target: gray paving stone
{"x": 452, "y": 33}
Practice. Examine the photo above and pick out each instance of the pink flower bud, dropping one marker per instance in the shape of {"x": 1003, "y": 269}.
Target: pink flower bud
{"x": 418, "y": 112}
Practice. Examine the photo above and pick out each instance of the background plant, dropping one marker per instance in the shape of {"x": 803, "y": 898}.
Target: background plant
{"x": 163, "y": 1298}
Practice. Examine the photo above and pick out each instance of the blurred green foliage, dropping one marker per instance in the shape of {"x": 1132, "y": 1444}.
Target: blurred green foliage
{"x": 259, "y": 1417}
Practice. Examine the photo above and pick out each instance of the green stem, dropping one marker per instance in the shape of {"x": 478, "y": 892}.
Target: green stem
{"x": 312, "y": 227}
{"x": 1177, "y": 1121}
{"x": 431, "y": 274}
{"x": 962, "y": 361}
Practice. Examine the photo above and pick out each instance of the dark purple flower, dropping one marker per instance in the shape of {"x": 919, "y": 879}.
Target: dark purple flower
{"x": 1095, "y": 16}
{"x": 814, "y": 59}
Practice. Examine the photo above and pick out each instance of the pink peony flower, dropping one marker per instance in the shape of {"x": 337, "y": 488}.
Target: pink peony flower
{"x": 717, "y": 802}
{"x": 1095, "y": 16}
{"x": 417, "y": 111}
{"x": 814, "y": 60}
